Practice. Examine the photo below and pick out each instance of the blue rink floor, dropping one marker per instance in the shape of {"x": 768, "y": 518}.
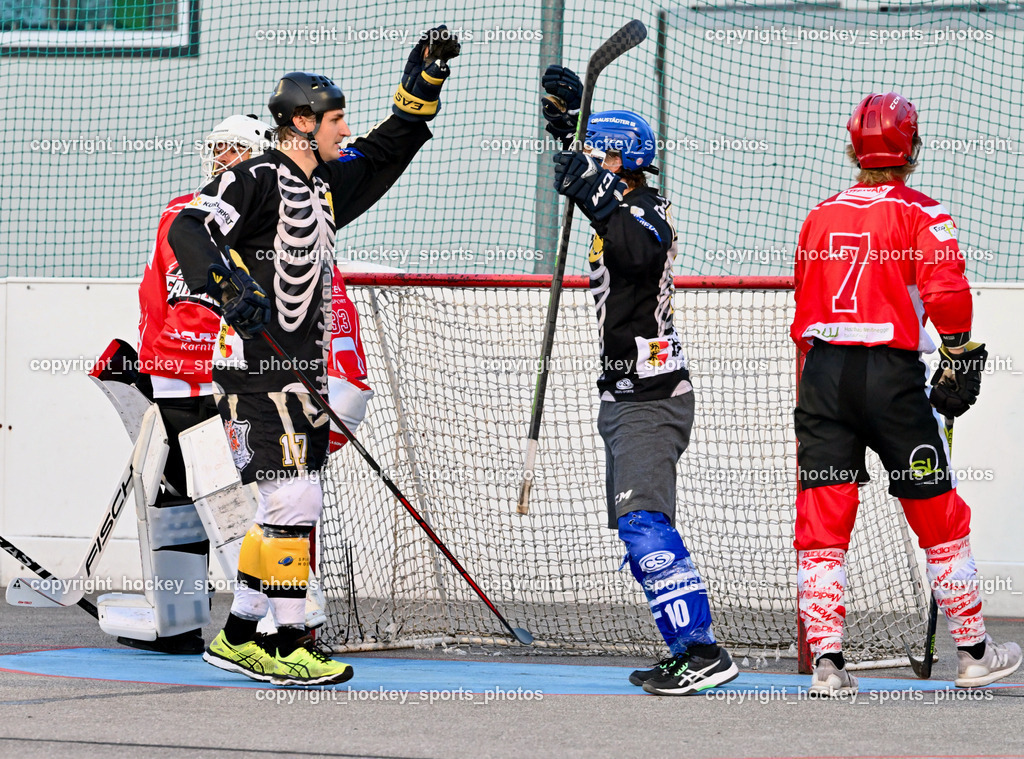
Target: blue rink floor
{"x": 416, "y": 676}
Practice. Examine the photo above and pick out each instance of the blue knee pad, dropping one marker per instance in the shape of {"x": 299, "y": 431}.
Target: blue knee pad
{"x": 675, "y": 592}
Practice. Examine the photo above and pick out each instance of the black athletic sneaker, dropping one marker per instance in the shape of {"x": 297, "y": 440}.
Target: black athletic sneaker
{"x": 688, "y": 673}
{"x": 641, "y": 676}
{"x": 185, "y": 644}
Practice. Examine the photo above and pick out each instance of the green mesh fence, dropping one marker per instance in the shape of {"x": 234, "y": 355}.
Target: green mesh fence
{"x": 105, "y": 100}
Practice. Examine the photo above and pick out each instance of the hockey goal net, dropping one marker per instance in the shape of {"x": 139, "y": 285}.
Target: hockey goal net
{"x": 452, "y": 360}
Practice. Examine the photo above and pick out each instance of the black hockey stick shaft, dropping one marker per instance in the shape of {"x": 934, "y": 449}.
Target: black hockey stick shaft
{"x": 38, "y": 569}
{"x": 923, "y": 667}
{"x": 625, "y": 39}
{"x": 520, "y": 634}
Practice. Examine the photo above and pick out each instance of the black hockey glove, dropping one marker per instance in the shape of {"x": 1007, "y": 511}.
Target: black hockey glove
{"x": 957, "y": 381}
{"x": 596, "y": 191}
{"x": 562, "y": 103}
{"x": 418, "y": 97}
{"x": 246, "y": 307}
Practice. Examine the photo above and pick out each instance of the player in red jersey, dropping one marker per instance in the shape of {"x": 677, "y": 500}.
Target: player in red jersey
{"x": 873, "y": 265}
{"x": 177, "y": 334}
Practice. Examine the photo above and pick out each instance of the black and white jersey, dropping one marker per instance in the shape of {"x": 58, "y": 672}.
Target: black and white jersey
{"x": 283, "y": 226}
{"x": 631, "y": 258}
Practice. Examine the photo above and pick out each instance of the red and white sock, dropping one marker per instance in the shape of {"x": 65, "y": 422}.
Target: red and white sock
{"x": 954, "y": 578}
{"x": 821, "y": 583}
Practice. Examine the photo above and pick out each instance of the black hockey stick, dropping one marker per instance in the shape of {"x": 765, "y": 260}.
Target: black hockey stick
{"x": 923, "y": 667}
{"x": 519, "y": 633}
{"x": 628, "y": 37}
{"x": 34, "y": 566}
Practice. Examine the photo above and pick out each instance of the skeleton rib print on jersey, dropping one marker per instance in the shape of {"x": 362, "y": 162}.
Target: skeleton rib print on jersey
{"x": 602, "y": 277}
{"x": 304, "y": 246}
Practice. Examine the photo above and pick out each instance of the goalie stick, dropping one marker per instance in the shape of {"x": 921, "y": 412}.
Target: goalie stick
{"x": 31, "y": 564}
{"x": 520, "y": 634}
{"x": 923, "y": 667}
{"x": 628, "y": 37}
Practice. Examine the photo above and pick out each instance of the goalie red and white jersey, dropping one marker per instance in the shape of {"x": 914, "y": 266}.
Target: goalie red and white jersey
{"x": 873, "y": 264}
{"x": 347, "y": 358}
{"x": 177, "y": 328}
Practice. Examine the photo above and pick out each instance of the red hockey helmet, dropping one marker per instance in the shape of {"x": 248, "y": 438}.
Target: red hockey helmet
{"x": 882, "y": 130}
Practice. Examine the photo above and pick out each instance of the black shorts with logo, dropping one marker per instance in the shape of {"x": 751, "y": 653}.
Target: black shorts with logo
{"x": 274, "y": 435}
{"x": 854, "y": 397}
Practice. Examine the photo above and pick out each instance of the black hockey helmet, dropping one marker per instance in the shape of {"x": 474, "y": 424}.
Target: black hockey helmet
{"x": 302, "y": 88}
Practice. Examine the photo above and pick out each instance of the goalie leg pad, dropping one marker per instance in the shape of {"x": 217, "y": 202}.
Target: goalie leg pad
{"x": 953, "y": 577}
{"x": 825, "y": 516}
{"x": 941, "y": 519}
{"x": 177, "y": 587}
{"x": 173, "y": 522}
{"x": 821, "y": 585}
{"x": 675, "y": 592}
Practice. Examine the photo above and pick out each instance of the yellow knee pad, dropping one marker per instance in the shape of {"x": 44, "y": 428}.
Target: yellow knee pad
{"x": 275, "y": 560}
{"x": 250, "y": 566}
{"x": 285, "y": 560}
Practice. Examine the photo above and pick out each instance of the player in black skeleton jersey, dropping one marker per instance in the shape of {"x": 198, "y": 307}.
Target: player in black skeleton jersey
{"x": 278, "y": 214}
{"x": 646, "y": 399}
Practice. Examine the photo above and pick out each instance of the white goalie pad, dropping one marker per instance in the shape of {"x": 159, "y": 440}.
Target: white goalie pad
{"x": 226, "y": 507}
{"x": 175, "y": 598}
{"x": 148, "y": 459}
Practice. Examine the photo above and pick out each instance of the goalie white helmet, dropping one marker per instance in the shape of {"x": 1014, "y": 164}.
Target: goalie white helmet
{"x": 241, "y": 133}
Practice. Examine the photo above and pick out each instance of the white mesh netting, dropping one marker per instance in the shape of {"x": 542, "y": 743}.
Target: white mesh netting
{"x": 454, "y": 371}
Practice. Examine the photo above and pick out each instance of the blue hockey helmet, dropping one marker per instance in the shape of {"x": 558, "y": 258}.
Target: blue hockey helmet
{"x": 625, "y": 132}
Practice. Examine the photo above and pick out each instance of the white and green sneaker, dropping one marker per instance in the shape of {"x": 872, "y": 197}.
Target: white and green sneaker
{"x": 689, "y": 673}
{"x": 309, "y": 665}
{"x": 641, "y": 676}
{"x": 250, "y": 658}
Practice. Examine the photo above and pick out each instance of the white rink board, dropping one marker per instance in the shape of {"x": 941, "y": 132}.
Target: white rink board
{"x": 62, "y": 446}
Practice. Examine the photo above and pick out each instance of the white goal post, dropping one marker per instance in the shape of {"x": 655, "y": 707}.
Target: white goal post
{"x": 452, "y": 359}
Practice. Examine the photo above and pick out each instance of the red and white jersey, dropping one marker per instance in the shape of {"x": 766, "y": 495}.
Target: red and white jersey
{"x": 177, "y": 328}
{"x": 347, "y": 358}
{"x": 873, "y": 264}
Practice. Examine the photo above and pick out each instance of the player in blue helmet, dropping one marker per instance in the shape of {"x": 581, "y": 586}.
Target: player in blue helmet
{"x": 647, "y": 401}
{"x": 625, "y": 133}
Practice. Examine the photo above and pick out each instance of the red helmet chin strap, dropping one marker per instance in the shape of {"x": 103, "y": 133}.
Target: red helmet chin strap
{"x": 882, "y": 130}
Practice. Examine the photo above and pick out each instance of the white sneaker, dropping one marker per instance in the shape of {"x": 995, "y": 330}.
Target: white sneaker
{"x": 997, "y": 662}
{"x": 829, "y": 681}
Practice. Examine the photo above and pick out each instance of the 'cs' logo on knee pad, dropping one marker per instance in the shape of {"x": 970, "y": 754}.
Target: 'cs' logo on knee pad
{"x": 652, "y": 562}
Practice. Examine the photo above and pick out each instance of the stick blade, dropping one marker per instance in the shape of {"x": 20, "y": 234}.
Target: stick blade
{"x": 50, "y": 593}
{"x": 628, "y": 37}
{"x": 523, "y": 635}
{"x": 922, "y": 667}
